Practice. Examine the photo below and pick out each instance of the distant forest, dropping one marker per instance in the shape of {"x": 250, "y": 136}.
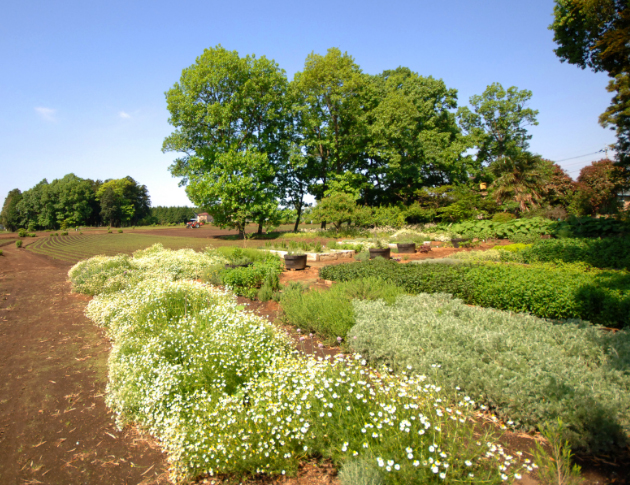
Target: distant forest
{"x": 73, "y": 201}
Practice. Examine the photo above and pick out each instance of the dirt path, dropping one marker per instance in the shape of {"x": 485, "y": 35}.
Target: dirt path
{"x": 54, "y": 425}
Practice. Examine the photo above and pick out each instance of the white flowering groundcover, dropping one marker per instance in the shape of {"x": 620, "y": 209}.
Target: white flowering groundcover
{"x": 225, "y": 393}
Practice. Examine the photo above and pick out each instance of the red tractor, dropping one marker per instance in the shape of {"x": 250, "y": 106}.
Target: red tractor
{"x": 194, "y": 224}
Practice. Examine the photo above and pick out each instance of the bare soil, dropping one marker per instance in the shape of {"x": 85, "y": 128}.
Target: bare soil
{"x": 54, "y": 425}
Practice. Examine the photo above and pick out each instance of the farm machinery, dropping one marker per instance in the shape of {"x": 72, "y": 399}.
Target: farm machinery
{"x": 194, "y": 224}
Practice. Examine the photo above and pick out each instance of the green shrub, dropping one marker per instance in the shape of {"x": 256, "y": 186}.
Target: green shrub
{"x": 590, "y": 227}
{"x": 362, "y": 256}
{"x": 64, "y": 233}
{"x": 22, "y": 233}
{"x": 526, "y": 369}
{"x": 329, "y": 313}
{"x": 1, "y": 253}
{"x": 477, "y": 256}
{"x": 517, "y": 230}
{"x": 246, "y": 281}
{"x": 238, "y": 255}
{"x": 265, "y": 293}
{"x": 601, "y": 253}
{"x": 109, "y": 231}
{"x": 513, "y": 248}
{"x": 120, "y": 231}
{"x": 213, "y": 274}
{"x": 18, "y": 243}
{"x": 502, "y": 217}
{"x": 546, "y": 291}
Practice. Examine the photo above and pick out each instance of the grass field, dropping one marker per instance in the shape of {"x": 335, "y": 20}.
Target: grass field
{"x": 73, "y": 248}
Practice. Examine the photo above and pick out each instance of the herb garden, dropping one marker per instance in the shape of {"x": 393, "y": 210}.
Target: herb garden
{"x": 225, "y": 392}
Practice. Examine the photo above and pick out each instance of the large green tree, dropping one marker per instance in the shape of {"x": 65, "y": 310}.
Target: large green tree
{"x": 10, "y": 216}
{"x": 413, "y": 139}
{"x": 328, "y": 98}
{"x": 596, "y": 34}
{"x": 497, "y": 123}
{"x": 123, "y": 201}
{"x": 235, "y": 189}
{"x": 225, "y": 104}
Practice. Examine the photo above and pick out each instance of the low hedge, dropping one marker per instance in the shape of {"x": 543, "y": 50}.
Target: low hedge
{"x": 601, "y": 253}
{"x": 525, "y": 369}
{"x": 547, "y": 291}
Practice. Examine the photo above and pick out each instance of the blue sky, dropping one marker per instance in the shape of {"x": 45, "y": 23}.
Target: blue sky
{"x": 82, "y": 83}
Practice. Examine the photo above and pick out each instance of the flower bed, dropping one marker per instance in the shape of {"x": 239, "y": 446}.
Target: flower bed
{"x": 224, "y": 393}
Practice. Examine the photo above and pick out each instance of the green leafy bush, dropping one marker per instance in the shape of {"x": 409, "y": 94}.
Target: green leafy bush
{"x": 590, "y": 227}
{"x": 548, "y": 291}
{"x": 246, "y": 281}
{"x": 329, "y": 313}
{"x": 526, "y": 369}
{"x": 238, "y": 255}
{"x": 22, "y": 233}
{"x": 18, "y": 243}
{"x": 517, "y": 230}
{"x": 502, "y": 217}
{"x": 120, "y": 231}
{"x": 64, "y": 233}
{"x": 601, "y": 253}
{"x": 1, "y": 253}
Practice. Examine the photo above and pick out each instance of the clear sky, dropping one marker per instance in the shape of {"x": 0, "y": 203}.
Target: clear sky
{"x": 82, "y": 83}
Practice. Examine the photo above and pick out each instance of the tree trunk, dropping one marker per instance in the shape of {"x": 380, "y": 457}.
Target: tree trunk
{"x": 323, "y": 226}
{"x": 260, "y": 229}
{"x": 297, "y": 220}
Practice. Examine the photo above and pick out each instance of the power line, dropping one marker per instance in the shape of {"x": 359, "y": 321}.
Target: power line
{"x": 580, "y": 156}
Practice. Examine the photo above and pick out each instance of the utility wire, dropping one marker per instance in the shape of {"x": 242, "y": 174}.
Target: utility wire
{"x": 580, "y": 156}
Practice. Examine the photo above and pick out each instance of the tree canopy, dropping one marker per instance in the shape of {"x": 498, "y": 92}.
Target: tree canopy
{"x": 73, "y": 201}
{"x": 596, "y": 34}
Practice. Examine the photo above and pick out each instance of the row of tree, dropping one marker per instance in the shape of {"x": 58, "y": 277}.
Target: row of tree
{"x": 72, "y": 201}
{"x": 171, "y": 215}
{"x": 251, "y": 140}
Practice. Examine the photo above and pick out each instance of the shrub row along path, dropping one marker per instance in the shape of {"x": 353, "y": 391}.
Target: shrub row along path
{"x": 54, "y": 425}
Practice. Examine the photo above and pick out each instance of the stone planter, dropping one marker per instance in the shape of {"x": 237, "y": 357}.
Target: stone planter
{"x": 406, "y": 248}
{"x": 383, "y": 253}
{"x": 295, "y": 261}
